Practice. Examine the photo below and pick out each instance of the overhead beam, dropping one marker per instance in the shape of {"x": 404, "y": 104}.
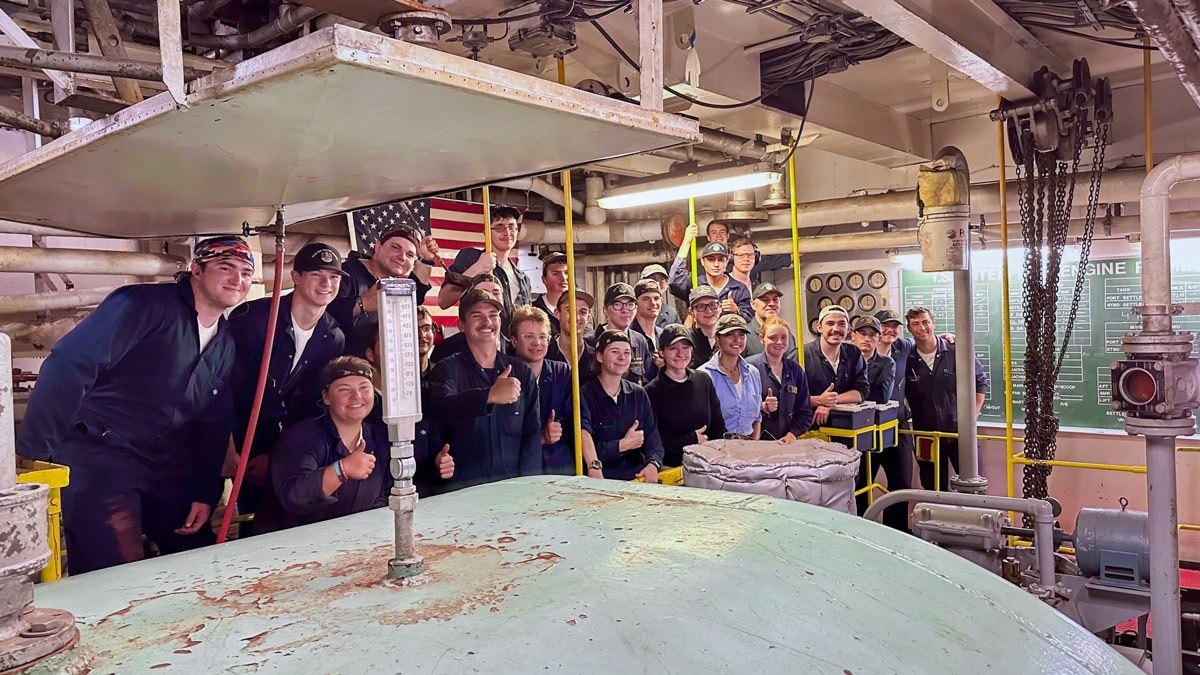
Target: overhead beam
{"x": 974, "y": 37}
{"x": 109, "y": 40}
{"x": 22, "y": 39}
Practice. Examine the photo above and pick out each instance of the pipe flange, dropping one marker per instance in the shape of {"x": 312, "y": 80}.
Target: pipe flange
{"x": 1164, "y": 428}
{"x": 742, "y": 217}
{"x": 26, "y": 548}
{"x": 44, "y": 632}
{"x": 404, "y": 568}
{"x": 1157, "y": 345}
{"x": 421, "y": 25}
{"x": 977, "y": 485}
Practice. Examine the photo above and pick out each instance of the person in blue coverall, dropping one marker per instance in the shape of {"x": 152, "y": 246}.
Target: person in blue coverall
{"x": 306, "y": 338}
{"x": 486, "y": 401}
{"x": 137, "y": 401}
{"x": 531, "y": 340}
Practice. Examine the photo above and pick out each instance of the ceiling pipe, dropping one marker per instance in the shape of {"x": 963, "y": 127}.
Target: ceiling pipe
{"x": 592, "y": 213}
{"x": 48, "y": 59}
{"x": 37, "y": 337}
{"x": 88, "y": 261}
{"x": 1189, "y": 13}
{"x": 1177, "y": 46}
{"x": 694, "y": 153}
{"x": 823, "y": 244}
{"x": 18, "y": 120}
{"x": 543, "y": 187}
{"x": 290, "y": 18}
{"x": 732, "y": 145}
{"x": 13, "y": 227}
{"x": 23, "y": 303}
{"x": 632, "y": 232}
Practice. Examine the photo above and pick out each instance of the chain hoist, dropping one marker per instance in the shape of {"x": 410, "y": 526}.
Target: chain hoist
{"x": 1047, "y": 137}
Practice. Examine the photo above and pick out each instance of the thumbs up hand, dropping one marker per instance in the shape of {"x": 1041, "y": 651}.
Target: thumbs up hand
{"x": 445, "y": 463}
{"x": 506, "y": 389}
{"x": 633, "y": 438}
{"x": 359, "y": 464}
{"x": 700, "y": 437}
{"x": 553, "y": 430}
{"x": 770, "y": 403}
{"x": 828, "y": 398}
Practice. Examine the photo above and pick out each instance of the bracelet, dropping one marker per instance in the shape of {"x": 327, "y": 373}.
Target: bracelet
{"x": 340, "y": 472}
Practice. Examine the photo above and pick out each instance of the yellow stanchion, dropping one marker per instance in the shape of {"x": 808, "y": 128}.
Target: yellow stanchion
{"x": 487, "y": 219}
{"x": 1010, "y": 487}
{"x": 572, "y": 310}
{"x": 800, "y": 325}
{"x": 692, "y": 223}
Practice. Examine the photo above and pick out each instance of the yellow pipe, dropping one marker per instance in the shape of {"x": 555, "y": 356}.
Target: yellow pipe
{"x": 800, "y": 325}
{"x": 569, "y": 227}
{"x": 1147, "y": 107}
{"x": 1125, "y": 468}
{"x": 487, "y": 219}
{"x": 1007, "y": 309}
{"x": 692, "y": 223}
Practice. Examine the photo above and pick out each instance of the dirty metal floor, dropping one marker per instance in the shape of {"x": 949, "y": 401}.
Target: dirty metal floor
{"x": 573, "y": 575}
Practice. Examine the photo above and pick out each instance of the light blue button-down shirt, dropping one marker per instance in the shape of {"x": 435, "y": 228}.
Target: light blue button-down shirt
{"x": 740, "y": 412}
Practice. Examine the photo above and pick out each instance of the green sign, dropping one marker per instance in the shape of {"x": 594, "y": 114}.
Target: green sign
{"x": 1083, "y": 391}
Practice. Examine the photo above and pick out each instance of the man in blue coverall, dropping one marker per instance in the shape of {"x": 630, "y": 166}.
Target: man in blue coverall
{"x": 486, "y": 401}
{"x": 714, "y": 262}
{"x": 306, "y": 338}
{"x": 137, "y": 401}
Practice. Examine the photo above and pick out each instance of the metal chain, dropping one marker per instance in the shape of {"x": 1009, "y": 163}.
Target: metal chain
{"x": 1046, "y": 192}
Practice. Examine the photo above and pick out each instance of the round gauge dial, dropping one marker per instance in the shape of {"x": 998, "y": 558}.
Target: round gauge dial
{"x": 834, "y": 283}
{"x": 846, "y": 302}
{"x": 877, "y": 279}
{"x": 824, "y": 302}
{"x": 813, "y": 325}
{"x": 855, "y": 281}
{"x": 867, "y": 302}
{"x": 815, "y": 284}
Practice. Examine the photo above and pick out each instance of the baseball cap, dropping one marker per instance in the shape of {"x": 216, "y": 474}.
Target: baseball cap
{"x": 345, "y": 366}
{"x": 832, "y": 309}
{"x": 214, "y": 248}
{"x": 617, "y": 291}
{"x": 579, "y": 295}
{"x": 887, "y": 316}
{"x": 554, "y": 258}
{"x": 646, "y": 286}
{"x": 715, "y": 248}
{"x": 650, "y": 270}
{"x": 610, "y": 336}
{"x": 731, "y": 323}
{"x": 765, "y": 288}
{"x": 672, "y": 333}
{"x": 316, "y": 256}
{"x": 700, "y": 292}
{"x": 474, "y": 297}
{"x": 865, "y": 321}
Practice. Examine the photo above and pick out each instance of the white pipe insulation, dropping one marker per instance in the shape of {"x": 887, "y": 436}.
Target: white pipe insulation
{"x": 88, "y": 261}
{"x": 51, "y": 300}
{"x": 541, "y": 187}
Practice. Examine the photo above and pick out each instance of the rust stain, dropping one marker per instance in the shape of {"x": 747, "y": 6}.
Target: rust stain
{"x": 159, "y": 665}
{"x": 506, "y": 540}
{"x": 255, "y": 641}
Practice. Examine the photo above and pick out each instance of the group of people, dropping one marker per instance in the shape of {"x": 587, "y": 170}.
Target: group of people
{"x": 149, "y": 398}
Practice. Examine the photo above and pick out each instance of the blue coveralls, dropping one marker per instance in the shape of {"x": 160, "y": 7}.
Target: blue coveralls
{"x": 292, "y": 394}
{"x": 143, "y": 419}
{"x": 360, "y": 330}
{"x": 554, "y": 394}
{"x": 932, "y": 398}
{"x": 680, "y": 282}
{"x": 608, "y": 421}
{"x": 489, "y": 442}
{"x": 795, "y": 414}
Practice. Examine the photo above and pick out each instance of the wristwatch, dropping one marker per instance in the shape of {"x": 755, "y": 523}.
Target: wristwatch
{"x": 595, "y": 464}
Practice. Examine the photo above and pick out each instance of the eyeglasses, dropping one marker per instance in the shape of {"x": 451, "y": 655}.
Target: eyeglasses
{"x": 535, "y": 337}
{"x": 706, "y": 306}
{"x": 623, "y": 306}
{"x": 500, "y": 229}
{"x": 430, "y": 328}
{"x": 743, "y": 255}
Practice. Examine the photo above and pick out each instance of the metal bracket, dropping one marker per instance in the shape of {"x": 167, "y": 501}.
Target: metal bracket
{"x": 170, "y": 46}
{"x": 108, "y": 37}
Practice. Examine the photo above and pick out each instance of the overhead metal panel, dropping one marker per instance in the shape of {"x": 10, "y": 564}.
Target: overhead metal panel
{"x": 573, "y": 575}
{"x": 336, "y": 120}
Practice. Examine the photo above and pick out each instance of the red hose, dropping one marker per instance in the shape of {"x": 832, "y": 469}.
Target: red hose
{"x": 269, "y": 343}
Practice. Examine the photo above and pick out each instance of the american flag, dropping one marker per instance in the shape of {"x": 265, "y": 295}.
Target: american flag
{"x": 455, "y": 225}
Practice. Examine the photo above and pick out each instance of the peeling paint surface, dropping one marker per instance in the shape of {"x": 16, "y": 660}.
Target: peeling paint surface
{"x": 573, "y": 575}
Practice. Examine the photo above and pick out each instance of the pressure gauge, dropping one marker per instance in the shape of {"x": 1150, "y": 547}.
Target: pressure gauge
{"x": 815, "y": 284}
{"x": 877, "y": 279}
{"x": 855, "y": 281}
{"x": 834, "y": 283}
{"x": 867, "y": 302}
{"x": 400, "y": 359}
{"x": 846, "y": 302}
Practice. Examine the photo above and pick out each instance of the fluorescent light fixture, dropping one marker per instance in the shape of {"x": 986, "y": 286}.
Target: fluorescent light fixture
{"x": 700, "y": 183}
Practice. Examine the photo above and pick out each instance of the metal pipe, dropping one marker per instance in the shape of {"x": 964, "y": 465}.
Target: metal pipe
{"x": 732, "y": 145}
{"x": 41, "y": 302}
{"x": 290, "y": 19}
{"x": 593, "y": 185}
{"x": 13, "y": 227}
{"x": 693, "y": 153}
{"x": 1164, "y": 554}
{"x": 1155, "y": 236}
{"x": 47, "y": 59}
{"x": 1174, "y": 42}
{"x": 822, "y": 244}
{"x": 543, "y": 187}
{"x": 635, "y": 232}
{"x": 1041, "y": 510}
{"x": 8, "y": 437}
{"x": 199, "y": 11}
{"x": 19, "y": 120}
{"x": 1189, "y": 13}
{"x": 86, "y": 261}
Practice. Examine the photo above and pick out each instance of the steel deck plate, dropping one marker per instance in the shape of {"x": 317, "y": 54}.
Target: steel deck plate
{"x": 336, "y": 120}
{"x": 574, "y": 575}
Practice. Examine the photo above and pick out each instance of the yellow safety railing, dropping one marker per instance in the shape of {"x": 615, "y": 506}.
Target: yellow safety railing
{"x": 56, "y": 477}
